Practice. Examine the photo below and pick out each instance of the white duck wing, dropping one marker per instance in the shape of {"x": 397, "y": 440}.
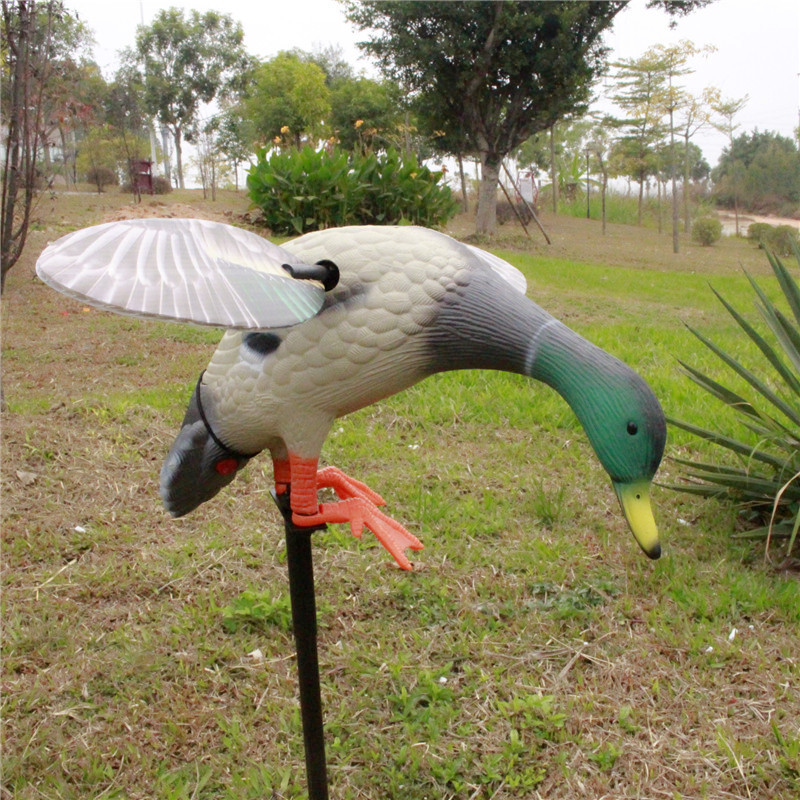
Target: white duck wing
{"x": 502, "y": 268}
{"x": 187, "y": 270}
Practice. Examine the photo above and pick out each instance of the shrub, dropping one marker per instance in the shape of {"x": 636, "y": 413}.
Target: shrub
{"x": 398, "y": 190}
{"x": 706, "y": 231}
{"x": 780, "y": 239}
{"x": 783, "y": 239}
{"x": 764, "y": 477}
{"x": 506, "y": 212}
{"x": 305, "y": 190}
{"x": 102, "y": 177}
{"x": 160, "y": 186}
{"x": 759, "y": 232}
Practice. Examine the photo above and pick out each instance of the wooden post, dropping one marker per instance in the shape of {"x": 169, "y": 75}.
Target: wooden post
{"x": 533, "y": 213}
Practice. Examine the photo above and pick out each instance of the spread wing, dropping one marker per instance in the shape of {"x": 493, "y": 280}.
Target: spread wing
{"x": 187, "y": 270}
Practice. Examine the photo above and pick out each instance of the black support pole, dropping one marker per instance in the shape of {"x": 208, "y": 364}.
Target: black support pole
{"x": 304, "y": 622}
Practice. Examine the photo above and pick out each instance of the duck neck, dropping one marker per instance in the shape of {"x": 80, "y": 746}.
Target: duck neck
{"x": 583, "y": 374}
{"x": 494, "y": 327}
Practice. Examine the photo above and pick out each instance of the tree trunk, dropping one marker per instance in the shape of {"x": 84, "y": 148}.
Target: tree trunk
{"x": 641, "y": 200}
{"x": 660, "y": 204}
{"x": 24, "y": 123}
{"x": 67, "y": 170}
{"x": 179, "y": 157}
{"x": 686, "y": 185}
{"x": 464, "y": 196}
{"x": 165, "y": 148}
{"x": 486, "y": 220}
{"x": 673, "y": 179}
{"x": 553, "y": 170}
{"x": 603, "y": 190}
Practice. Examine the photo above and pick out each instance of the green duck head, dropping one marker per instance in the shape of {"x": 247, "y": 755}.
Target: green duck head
{"x": 620, "y": 414}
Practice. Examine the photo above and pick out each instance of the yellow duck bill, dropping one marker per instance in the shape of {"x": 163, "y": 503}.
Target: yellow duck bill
{"x": 635, "y": 501}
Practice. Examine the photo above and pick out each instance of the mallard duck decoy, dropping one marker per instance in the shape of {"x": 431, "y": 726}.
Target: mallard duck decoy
{"x": 331, "y": 322}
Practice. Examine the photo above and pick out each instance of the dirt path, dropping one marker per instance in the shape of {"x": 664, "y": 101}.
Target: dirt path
{"x": 745, "y": 220}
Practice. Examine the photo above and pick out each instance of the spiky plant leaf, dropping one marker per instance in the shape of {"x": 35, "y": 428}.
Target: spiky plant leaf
{"x": 791, "y": 413}
{"x": 721, "y": 392}
{"x": 734, "y": 445}
{"x": 767, "y": 477}
{"x": 788, "y": 285}
{"x": 771, "y": 355}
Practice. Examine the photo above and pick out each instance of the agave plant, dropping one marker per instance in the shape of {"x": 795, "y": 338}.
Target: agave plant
{"x": 764, "y": 476}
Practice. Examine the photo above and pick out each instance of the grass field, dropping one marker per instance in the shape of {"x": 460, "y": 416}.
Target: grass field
{"x": 534, "y": 652}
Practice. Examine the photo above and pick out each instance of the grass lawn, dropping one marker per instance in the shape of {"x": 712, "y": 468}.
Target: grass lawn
{"x": 534, "y": 652}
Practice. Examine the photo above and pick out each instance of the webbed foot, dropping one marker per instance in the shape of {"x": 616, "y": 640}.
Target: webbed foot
{"x": 358, "y": 506}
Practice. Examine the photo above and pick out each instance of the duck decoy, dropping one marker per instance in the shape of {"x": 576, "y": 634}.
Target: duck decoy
{"x": 331, "y": 322}
{"x": 327, "y": 324}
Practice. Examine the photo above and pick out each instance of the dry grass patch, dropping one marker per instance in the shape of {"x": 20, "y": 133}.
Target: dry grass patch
{"x": 533, "y": 653}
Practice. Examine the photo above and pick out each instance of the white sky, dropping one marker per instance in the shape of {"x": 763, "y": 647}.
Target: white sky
{"x": 758, "y": 44}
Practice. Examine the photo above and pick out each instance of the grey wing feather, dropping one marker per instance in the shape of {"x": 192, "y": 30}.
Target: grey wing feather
{"x": 502, "y": 268}
{"x": 187, "y": 270}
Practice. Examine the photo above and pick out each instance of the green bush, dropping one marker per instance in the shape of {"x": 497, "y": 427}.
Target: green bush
{"x": 779, "y": 239}
{"x": 782, "y": 240}
{"x": 102, "y": 177}
{"x": 305, "y": 190}
{"x": 706, "y": 231}
{"x": 764, "y": 475}
{"x": 399, "y": 190}
{"x": 759, "y": 232}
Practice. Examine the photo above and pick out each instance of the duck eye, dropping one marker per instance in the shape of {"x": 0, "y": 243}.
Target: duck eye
{"x": 632, "y": 428}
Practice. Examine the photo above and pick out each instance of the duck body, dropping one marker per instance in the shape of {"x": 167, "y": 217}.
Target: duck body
{"x": 410, "y": 302}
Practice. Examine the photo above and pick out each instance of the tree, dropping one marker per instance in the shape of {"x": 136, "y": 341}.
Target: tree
{"x": 210, "y": 160}
{"x": 28, "y": 49}
{"x": 636, "y": 82}
{"x": 186, "y": 62}
{"x": 760, "y": 171}
{"x": 726, "y": 110}
{"x": 287, "y": 99}
{"x": 234, "y": 138}
{"x": 695, "y": 115}
{"x": 127, "y": 121}
{"x": 672, "y": 63}
{"x": 489, "y": 74}
{"x": 72, "y": 94}
{"x": 332, "y": 62}
{"x": 599, "y": 144}
{"x": 366, "y": 114}
{"x": 561, "y": 151}
{"x": 678, "y": 8}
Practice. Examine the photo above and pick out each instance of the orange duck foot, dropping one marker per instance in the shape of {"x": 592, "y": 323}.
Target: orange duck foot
{"x": 345, "y": 486}
{"x": 361, "y": 513}
{"x": 358, "y": 507}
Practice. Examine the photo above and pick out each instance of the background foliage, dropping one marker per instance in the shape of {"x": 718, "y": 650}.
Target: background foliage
{"x": 304, "y": 190}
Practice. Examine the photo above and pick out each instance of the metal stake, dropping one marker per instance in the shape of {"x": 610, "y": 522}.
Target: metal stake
{"x": 304, "y": 623}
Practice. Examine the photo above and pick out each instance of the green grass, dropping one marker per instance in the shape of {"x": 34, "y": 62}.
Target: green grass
{"x": 534, "y": 649}
{"x": 621, "y": 209}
